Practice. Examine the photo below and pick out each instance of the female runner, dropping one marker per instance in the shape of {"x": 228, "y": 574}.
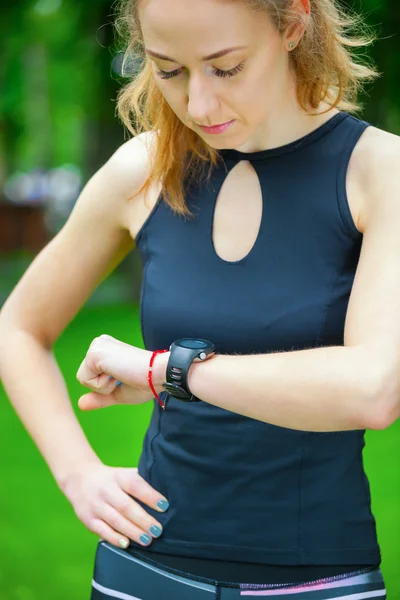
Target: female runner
{"x": 269, "y": 311}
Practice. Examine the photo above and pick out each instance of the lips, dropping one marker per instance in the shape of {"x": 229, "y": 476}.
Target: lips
{"x": 217, "y": 125}
{"x": 217, "y": 128}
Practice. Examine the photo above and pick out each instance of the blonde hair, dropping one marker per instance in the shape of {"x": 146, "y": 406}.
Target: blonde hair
{"x": 323, "y": 61}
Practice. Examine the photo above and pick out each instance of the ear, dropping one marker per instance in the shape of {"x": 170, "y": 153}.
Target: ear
{"x": 296, "y": 31}
{"x": 302, "y": 6}
{"x": 307, "y": 6}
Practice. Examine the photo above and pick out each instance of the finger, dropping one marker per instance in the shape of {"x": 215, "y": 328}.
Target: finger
{"x": 88, "y": 373}
{"x": 93, "y": 401}
{"x": 125, "y": 526}
{"x": 133, "y": 512}
{"x": 102, "y": 384}
{"x": 134, "y": 485}
{"x": 98, "y": 382}
{"x": 111, "y": 535}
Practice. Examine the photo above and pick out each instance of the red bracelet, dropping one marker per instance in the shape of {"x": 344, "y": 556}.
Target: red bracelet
{"x": 150, "y": 376}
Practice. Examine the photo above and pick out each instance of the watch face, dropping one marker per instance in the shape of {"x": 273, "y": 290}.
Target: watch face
{"x": 193, "y": 344}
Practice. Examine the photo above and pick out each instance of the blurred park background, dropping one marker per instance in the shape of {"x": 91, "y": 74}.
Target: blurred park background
{"x": 59, "y": 76}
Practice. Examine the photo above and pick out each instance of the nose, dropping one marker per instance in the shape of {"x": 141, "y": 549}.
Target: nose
{"x": 202, "y": 101}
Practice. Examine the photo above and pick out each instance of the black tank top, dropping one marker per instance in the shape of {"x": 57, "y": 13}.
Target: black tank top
{"x": 251, "y": 501}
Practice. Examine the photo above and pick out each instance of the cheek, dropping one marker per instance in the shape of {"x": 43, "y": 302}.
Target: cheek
{"x": 267, "y": 77}
{"x": 172, "y": 94}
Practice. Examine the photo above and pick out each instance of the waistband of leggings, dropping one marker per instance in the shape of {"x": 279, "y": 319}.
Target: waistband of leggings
{"x": 255, "y": 586}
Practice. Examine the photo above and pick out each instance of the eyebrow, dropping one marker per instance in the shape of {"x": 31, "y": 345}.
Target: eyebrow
{"x": 210, "y": 57}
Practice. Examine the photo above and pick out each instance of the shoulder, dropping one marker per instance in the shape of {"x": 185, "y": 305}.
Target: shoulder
{"x": 375, "y": 148}
{"x": 107, "y": 194}
{"x": 124, "y": 175}
{"x": 129, "y": 166}
{"x": 376, "y": 170}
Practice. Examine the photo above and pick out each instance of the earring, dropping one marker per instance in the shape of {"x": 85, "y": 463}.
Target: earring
{"x": 291, "y": 45}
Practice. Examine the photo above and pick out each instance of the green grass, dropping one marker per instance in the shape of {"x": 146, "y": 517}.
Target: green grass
{"x": 46, "y": 553}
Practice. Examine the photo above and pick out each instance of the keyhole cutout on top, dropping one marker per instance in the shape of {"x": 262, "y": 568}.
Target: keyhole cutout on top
{"x": 238, "y": 213}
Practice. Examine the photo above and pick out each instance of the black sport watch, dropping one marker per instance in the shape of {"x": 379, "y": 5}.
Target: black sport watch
{"x": 183, "y": 353}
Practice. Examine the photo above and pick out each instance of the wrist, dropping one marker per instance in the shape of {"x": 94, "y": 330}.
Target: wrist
{"x": 199, "y": 372}
{"x": 160, "y": 371}
{"x": 68, "y": 473}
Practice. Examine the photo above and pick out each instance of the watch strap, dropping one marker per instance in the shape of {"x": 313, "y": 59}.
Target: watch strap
{"x": 177, "y": 373}
{"x": 179, "y": 363}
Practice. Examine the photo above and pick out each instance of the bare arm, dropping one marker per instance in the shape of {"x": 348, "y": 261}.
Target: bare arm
{"x": 37, "y": 390}
{"x": 321, "y": 389}
{"x": 53, "y": 289}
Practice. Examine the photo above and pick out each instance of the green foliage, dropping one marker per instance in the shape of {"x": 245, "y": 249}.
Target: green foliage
{"x": 56, "y": 78}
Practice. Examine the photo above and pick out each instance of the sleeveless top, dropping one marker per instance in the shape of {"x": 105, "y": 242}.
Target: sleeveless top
{"x": 244, "y": 494}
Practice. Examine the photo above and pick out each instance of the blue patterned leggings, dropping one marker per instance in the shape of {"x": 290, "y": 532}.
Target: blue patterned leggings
{"x": 117, "y": 574}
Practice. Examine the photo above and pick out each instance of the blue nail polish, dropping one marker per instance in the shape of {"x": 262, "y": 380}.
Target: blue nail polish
{"x": 156, "y": 531}
{"x": 146, "y": 539}
{"x": 110, "y": 377}
{"x": 118, "y": 383}
{"x": 163, "y": 504}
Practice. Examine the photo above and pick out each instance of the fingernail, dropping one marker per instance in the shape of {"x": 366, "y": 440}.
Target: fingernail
{"x": 118, "y": 383}
{"x": 163, "y": 504}
{"x": 155, "y": 530}
{"x": 145, "y": 538}
{"x": 123, "y": 543}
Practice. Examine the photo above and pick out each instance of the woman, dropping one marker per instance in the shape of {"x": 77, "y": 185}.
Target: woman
{"x": 269, "y": 311}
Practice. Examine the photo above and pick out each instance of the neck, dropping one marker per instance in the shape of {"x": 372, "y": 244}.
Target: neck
{"x": 286, "y": 122}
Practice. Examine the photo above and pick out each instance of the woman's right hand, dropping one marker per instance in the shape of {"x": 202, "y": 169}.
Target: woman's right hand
{"x": 101, "y": 497}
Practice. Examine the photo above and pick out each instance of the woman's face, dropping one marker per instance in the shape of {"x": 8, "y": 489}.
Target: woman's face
{"x": 247, "y": 86}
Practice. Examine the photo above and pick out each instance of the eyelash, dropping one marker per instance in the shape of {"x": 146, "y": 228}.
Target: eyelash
{"x": 218, "y": 72}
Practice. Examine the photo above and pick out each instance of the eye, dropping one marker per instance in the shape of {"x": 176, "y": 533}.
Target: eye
{"x": 168, "y": 74}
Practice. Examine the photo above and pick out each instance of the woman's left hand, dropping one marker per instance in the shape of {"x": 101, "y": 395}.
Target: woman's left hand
{"x": 108, "y": 361}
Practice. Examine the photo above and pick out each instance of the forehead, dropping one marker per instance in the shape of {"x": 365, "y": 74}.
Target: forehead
{"x": 209, "y": 24}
